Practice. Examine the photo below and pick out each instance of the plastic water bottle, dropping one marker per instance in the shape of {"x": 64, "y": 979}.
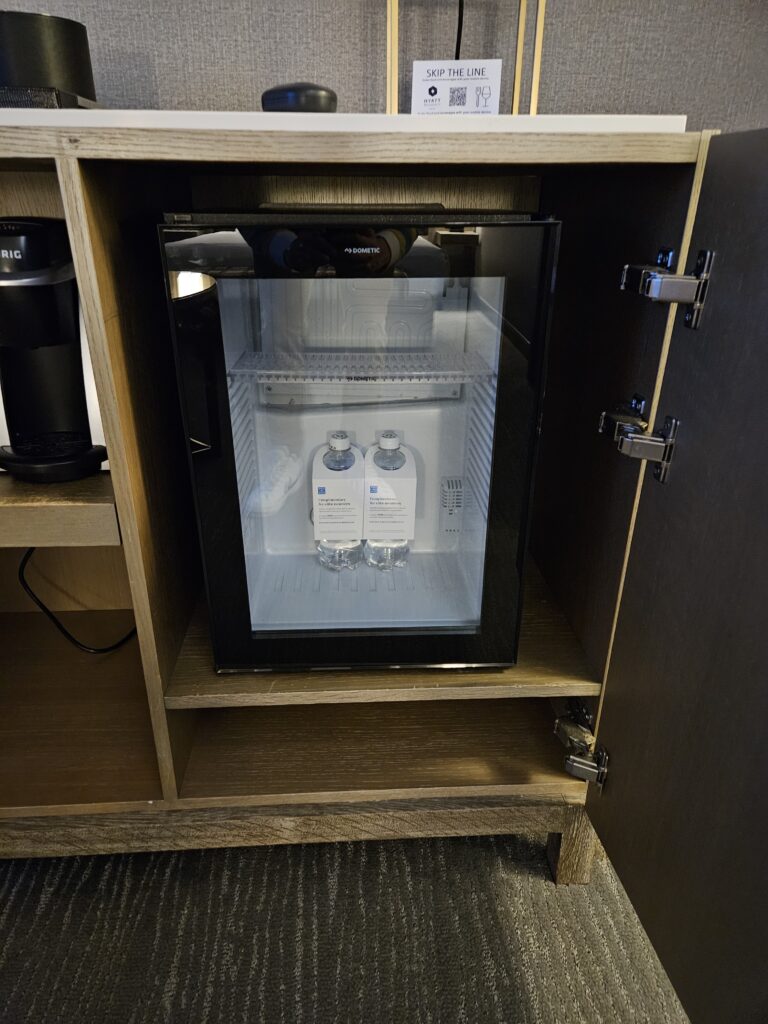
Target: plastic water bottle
{"x": 387, "y": 554}
{"x": 339, "y": 554}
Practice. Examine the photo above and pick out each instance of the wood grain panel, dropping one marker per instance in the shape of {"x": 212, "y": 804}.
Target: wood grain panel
{"x": 571, "y": 852}
{"x": 206, "y": 829}
{"x": 30, "y": 193}
{"x": 74, "y": 727}
{"x": 224, "y": 190}
{"x": 363, "y": 147}
{"x": 135, "y": 379}
{"x": 551, "y": 663}
{"x": 80, "y": 513}
{"x": 362, "y": 751}
{"x": 66, "y": 579}
{"x": 606, "y": 346}
{"x": 686, "y": 698}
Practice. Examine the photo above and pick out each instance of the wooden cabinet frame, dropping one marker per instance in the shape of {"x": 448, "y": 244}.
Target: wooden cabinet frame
{"x": 208, "y": 788}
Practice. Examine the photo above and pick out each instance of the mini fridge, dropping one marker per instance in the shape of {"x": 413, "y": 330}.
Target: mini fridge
{"x": 362, "y": 393}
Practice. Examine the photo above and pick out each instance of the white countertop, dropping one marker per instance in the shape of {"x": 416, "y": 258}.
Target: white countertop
{"x": 204, "y": 120}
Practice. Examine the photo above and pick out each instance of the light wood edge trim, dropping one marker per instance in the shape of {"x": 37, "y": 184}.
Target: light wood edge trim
{"x": 682, "y": 260}
{"x": 356, "y": 148}
{"x": 137, "y": 832}
{"x": 393, "y": 43}
{"x": 73, "y": 526}
{"x": 538, "y": 46}
{"x": 79, "y": 229}
{"x": 685, "y": 243}
{"x": 184, "y": 700}
{"x": 519, "y": 53}
{"x": 67, "y": 810}
{"x": 56, "y": 519}
{"x": 570, "y": 791}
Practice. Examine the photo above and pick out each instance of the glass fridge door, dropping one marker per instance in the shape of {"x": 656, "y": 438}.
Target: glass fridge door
{"x": 362, "y": 405}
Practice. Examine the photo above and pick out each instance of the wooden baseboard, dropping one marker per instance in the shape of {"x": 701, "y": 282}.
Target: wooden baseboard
{"x": 161, "y": 829}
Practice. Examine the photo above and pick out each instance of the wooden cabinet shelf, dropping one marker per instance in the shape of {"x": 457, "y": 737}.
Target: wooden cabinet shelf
{"x": 74, "y": 727}
{"x": 551, "y": 664}
{"x": 80, "y": 513}
{"x": 357, "y": 139}
{"x": 382, "y": 751}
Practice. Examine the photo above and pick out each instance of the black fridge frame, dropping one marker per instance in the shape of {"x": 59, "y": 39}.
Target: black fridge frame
{"x": 236, "y": 646}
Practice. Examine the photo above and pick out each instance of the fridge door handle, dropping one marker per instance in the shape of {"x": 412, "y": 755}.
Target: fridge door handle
{"x": 197, "y": 447}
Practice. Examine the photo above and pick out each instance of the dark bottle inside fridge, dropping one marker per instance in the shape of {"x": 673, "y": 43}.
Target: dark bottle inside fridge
{"x": 362, "y": 391}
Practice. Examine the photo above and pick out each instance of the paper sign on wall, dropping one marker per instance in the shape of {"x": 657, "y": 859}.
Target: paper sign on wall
{"x": 456, "y": 87}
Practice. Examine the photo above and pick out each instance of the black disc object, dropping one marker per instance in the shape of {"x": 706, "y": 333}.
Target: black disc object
{"x": 50, "y": 469}
{"x": 300, "y": 98}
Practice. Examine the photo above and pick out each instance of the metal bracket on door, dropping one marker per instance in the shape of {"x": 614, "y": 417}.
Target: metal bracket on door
{"x": 659, "y": 284}
{"x": 590, "y": 768}
{"x": 631, "y": 414}
{"x": 629, "y": 429}
{"x": 585, "y": 759}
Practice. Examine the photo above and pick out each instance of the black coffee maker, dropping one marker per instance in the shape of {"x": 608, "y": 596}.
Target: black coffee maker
{"x": 41, "y": 370}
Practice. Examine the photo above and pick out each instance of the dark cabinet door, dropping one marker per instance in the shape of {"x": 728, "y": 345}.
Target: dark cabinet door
{"x": 685, "y": 719}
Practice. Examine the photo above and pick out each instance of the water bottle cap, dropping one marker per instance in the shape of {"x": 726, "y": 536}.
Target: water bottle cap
{"x": 389, "y": 441}
{"x": 339, "y": 442}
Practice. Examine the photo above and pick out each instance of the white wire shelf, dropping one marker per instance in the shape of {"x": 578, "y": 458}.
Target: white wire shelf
{"x": 362, "y": 367}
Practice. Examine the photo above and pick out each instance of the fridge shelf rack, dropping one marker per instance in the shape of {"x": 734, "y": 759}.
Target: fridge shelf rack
{"x": 350, "y": 367}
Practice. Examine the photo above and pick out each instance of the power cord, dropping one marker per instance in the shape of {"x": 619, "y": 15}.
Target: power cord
{"x": 59, "y": 625}
{"x": 459, "y": 29}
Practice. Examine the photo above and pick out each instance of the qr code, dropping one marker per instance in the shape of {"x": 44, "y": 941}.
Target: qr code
{"x": 458, "y": 97}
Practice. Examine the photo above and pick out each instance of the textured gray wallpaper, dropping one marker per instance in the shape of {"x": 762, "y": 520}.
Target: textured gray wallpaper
{"x": 209, "y": 55}
{"x": 704, "y": 58}
{"x": 428, "y": 32}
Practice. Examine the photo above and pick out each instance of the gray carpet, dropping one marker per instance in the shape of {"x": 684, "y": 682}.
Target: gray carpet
{"x": 429, "y": 932}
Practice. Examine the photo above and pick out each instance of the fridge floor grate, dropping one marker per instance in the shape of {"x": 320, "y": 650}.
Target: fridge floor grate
{"x": 296, "y": 592}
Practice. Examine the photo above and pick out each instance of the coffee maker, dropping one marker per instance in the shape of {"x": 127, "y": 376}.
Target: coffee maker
{"x": 41, "y": 370}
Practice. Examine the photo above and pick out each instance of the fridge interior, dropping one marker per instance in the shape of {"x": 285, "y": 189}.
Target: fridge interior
{"x": 309, "y": 356}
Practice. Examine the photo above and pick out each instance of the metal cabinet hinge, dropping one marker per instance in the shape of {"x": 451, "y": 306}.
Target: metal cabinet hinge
{"x": 629, "y": 429}
{"x": 659, "y": 284}
{"x": 590, "y": 768}
{"x": 585, "y": 758}
{"x": 631, "y": 413}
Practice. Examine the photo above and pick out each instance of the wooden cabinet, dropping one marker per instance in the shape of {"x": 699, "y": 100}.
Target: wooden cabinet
{"x": 642, "y": 598}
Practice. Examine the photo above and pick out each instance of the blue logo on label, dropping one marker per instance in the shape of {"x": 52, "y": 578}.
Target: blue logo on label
{"x": 374, "y": 489}
{"x": 321, "y": 490}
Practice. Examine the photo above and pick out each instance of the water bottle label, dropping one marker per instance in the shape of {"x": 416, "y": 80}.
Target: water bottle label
{"x": 337, "y": 499}
{"x": 390, "y": 499}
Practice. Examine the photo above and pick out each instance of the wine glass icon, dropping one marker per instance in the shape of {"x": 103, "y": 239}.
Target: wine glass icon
{"x": 486, "y": 94}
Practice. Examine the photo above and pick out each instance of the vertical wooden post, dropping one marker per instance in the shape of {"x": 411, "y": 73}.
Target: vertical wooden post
{"x": 571, "y": 852}
{"x": 518, "y": 80}
{"x": 538, "y": 44}
{"x": 392, "y": 56}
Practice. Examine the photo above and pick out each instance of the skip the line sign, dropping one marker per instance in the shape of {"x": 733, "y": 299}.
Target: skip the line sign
{"x": 456, "y": 87}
